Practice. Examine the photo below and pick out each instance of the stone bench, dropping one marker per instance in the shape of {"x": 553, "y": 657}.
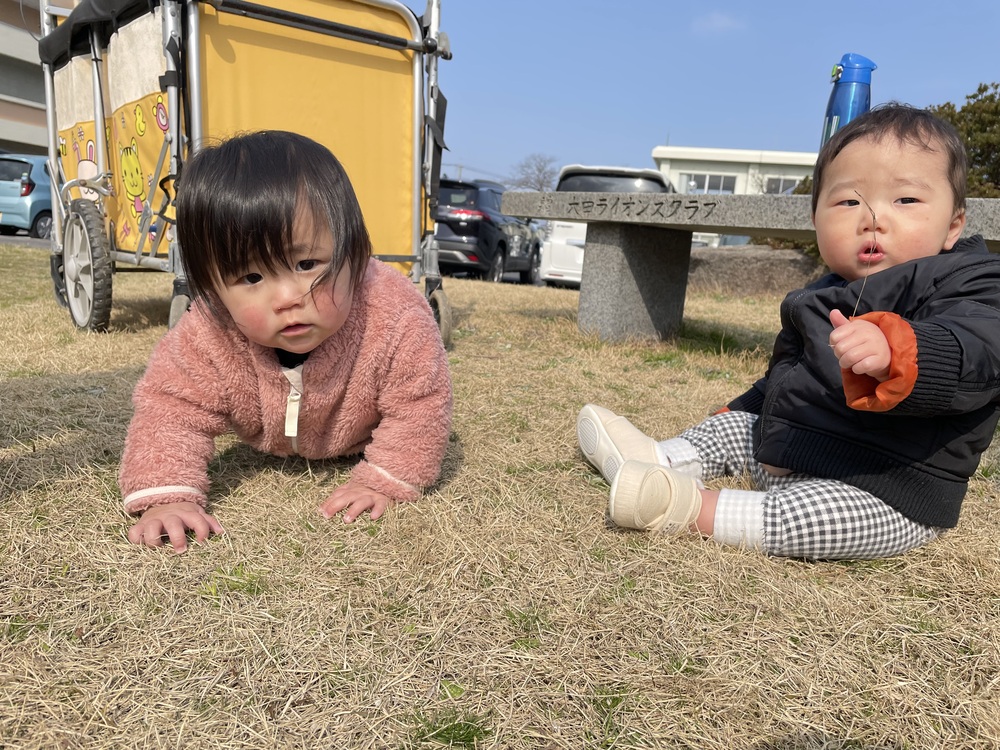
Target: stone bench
{"x": 638, "y": 251}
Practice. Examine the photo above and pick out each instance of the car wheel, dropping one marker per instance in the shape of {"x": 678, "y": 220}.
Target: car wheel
{"x": 42, "y": 226}
{"x": 497, "y": 266}
{"x": 534, "y": 273}
{"x": 87, "y": 266}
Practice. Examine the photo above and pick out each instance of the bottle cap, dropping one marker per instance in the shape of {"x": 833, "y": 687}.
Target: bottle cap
{"x": 853, "y": 67}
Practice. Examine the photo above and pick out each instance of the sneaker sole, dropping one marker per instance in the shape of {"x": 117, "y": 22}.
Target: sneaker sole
{"x": 590, "y": 433}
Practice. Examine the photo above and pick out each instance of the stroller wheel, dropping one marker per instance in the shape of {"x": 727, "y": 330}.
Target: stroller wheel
{"x": 87, "y": 267}
{"x": 442, "y": 314}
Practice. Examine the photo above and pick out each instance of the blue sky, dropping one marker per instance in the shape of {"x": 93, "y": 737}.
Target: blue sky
{"x": 604, "y": 81}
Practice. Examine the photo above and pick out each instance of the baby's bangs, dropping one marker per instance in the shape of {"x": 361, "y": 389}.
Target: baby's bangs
{"x": 326, "y": 192}
{"x": 255, "y": 215}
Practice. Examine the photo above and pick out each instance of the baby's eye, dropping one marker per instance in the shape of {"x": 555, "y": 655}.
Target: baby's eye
{"x": 311, "y": 264}
{"x": 849, "y": 202}
{"x": 250, "y": 279}
{"x": 908, "y": 201}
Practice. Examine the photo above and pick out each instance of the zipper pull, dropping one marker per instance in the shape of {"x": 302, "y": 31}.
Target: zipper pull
{"x": 294, "y": 377}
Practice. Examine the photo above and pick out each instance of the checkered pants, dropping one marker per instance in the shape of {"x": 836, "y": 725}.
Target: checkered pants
{"x": 804, "y": 517}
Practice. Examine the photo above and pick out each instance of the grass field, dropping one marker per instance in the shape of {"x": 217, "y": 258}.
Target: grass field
{"x": 500, "y": 611}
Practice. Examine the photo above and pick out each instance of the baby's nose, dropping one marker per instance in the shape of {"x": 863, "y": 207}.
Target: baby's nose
{"x": 869, "y": 219}
{"x": 287, "y": 293}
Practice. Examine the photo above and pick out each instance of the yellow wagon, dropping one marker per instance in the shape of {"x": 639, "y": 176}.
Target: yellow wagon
{"x": 162, "y": 77}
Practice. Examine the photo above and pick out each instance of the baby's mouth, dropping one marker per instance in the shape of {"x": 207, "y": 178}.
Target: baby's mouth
{"x": 294, "y": 329}
{"x": 871, "y": 254}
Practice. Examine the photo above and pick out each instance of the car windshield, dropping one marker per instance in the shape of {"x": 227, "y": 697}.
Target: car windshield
{"x": 609, "y": 183}
{"x": 458, "y": 197}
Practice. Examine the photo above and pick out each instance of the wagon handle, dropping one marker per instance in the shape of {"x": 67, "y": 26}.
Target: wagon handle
{"x": 309, "y": 23}
{"x": 98, "y": 185}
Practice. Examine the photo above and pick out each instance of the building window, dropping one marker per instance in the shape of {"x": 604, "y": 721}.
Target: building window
{"x": 779, "y": 185}
{"x": 710, "y": 184}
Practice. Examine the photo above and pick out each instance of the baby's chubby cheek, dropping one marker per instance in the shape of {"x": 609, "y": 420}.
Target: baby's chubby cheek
{"x": 252, "y": 321}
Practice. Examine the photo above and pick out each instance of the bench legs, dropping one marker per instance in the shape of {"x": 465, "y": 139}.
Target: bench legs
{"x": 634, "y": 281}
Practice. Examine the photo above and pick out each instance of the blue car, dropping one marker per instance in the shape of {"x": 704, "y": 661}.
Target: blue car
{"x": 25, "y": 197}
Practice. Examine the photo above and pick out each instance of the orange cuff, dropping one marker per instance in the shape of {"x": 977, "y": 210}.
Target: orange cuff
{"x": 864, "y": 392}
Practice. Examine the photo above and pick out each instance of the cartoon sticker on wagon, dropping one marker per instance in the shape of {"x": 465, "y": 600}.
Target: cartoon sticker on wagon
{"x": 384, "y": 120}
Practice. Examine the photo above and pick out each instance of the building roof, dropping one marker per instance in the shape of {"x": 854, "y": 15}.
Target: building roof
{"x": 743, "y": 156}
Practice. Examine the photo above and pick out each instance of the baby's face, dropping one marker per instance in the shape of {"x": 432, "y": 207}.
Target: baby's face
{"x": 907, "y": 188}
{"x": 281, "y": 310}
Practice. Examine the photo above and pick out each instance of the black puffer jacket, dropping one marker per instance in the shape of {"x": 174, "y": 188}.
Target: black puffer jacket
{"x": 919, "y": 455}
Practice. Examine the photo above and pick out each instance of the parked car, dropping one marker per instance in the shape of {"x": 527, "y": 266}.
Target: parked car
{"x": 475, "y": 237}
{"x": 25, "y": 197}
{"x": 562, "y": 251}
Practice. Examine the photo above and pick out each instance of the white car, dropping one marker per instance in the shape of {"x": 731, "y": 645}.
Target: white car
{"x": 562, "y": 251}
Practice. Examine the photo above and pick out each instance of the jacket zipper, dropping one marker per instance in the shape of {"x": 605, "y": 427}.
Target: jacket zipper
{"x": 292, "y": 403}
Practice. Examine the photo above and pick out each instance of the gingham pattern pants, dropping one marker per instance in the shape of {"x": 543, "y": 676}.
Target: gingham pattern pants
{"x": 804, "y": 517}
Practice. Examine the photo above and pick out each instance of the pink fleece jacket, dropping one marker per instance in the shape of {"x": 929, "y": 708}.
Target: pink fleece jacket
{"x": 380, "y": 386}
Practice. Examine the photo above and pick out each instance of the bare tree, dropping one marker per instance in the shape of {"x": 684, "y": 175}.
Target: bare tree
{"x": 536, "y": 172}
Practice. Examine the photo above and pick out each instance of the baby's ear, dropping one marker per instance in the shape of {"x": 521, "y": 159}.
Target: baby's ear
{"x": 955, "y": 229}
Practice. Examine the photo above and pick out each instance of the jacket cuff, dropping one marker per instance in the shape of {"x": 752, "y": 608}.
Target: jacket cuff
{"x": 866, "y": 393}
{"x": 378, "y": 479}
{"x": 141, "y": 500}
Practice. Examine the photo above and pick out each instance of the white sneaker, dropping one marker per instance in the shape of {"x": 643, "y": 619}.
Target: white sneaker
{"x": 653, "y": 498}
{"x": 608, "y": 441}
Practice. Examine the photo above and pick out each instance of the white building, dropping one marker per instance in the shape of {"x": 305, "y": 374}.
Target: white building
{"x": 727, "y": 171}
{"x": 22, "y": 91}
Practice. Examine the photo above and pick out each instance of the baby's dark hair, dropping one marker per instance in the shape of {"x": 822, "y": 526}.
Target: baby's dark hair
{"x": 907, "y": 124}
{"x": 237, "y": 201}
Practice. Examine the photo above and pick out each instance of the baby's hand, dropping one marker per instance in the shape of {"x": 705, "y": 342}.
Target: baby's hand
{"x": 860, "y": 346}
{"x": 173, "y": 520}
{"x": 354, "y": 499}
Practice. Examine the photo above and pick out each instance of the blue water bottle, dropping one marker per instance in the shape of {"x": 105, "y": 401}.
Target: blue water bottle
{"x": 851, "y": 95}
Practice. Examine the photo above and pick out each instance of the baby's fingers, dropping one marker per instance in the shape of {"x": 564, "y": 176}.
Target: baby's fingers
{"x": 853, "y": 359}
{"x": 358, "y": 506}
{"x": 176, "y": 530}
{"x": 865, "y": 366}
{"x": 333, "y": 505}
{"x": 201, "y": 527}
{"x": 374, "y": 502}
{"x": 145, "y": 532}
{"x": 214, "y": 524}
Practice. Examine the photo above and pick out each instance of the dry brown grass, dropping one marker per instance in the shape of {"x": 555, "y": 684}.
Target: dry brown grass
{"x": 500, "y": 611}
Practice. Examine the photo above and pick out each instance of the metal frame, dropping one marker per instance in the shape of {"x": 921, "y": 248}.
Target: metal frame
{"x": 172, "y": 11}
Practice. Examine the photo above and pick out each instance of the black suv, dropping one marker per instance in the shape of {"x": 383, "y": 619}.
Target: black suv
{"x": 475, "y": 237}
